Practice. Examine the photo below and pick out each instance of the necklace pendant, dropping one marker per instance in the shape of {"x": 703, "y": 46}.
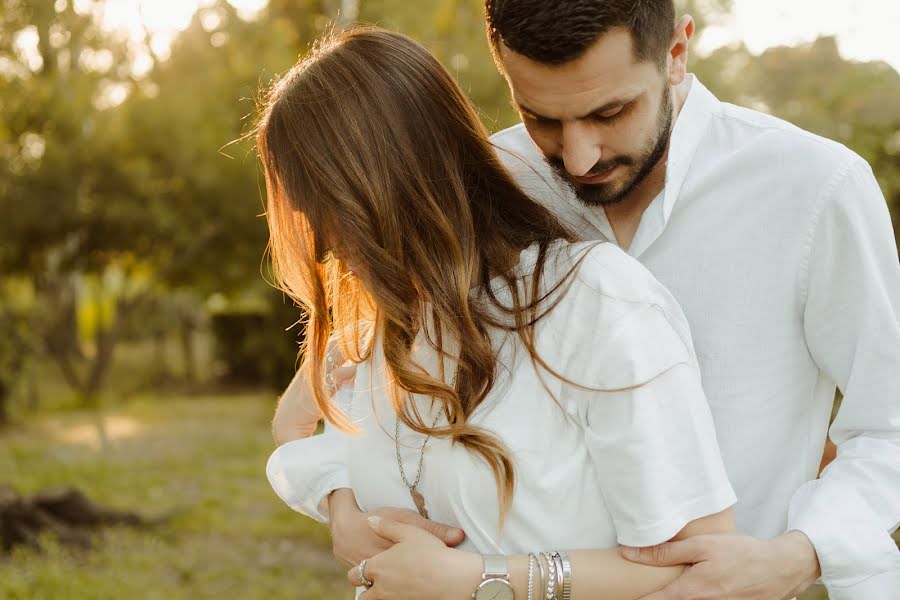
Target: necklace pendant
{"x": 419, "y": 501}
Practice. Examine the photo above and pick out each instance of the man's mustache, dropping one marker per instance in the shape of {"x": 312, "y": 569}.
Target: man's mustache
{"x": 601, "y": 167}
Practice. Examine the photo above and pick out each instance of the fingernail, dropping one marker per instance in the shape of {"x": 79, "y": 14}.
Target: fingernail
{"x": 374, "y": 520}
{"x": 629, "y": 552}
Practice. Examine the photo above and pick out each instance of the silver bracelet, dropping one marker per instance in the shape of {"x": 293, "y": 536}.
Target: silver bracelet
{"x": 531, "y": 564}
{"x": 567, "y": 575}
{"x": 561, "y": 579}
{"x": 559, "y": 575}
{"x": 551, "y": 580}
{"x": 543, "y": 582}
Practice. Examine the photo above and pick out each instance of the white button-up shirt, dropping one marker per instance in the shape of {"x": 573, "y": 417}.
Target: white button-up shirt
{"x": 777, "y": 243}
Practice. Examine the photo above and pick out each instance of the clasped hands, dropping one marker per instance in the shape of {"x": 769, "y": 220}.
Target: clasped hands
{"x": 410, "y": 557}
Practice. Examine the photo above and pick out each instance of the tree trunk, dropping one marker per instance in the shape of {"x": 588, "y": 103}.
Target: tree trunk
{"x": 186, "y": 335}
{"x": 4, "y": 403}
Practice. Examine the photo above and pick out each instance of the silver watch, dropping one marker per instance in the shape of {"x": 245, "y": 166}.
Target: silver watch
{"x": 495, "y": 583}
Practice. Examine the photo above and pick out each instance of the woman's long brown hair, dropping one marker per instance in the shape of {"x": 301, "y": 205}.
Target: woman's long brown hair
{"x": 386, "y": 206}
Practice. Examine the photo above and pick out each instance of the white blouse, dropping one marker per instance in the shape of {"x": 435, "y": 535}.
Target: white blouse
{"x": 629, "y": 465}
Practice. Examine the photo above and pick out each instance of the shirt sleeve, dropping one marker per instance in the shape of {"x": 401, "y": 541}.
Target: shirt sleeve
{"x": 852, "y": 328}
{"x": 304, "y": 472}
{"x": 649, "y": 430}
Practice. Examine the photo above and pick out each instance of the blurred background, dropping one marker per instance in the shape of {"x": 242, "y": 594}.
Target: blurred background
{"x": 141, "y": 349}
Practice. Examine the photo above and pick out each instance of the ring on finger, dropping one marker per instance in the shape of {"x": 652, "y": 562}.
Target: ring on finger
{"x": 361, "y": 571}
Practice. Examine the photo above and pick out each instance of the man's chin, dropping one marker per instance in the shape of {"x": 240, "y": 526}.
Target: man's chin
{"x": 598, "y": 195}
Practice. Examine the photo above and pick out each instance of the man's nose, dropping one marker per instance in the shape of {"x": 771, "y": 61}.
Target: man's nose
{"x": 581, "y": 149}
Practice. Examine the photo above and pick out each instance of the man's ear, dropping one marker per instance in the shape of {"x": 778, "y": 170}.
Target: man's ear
{"x": 678, "y": 50}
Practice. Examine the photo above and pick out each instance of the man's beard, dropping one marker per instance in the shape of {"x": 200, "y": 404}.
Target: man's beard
{"x": 638, "y": 167}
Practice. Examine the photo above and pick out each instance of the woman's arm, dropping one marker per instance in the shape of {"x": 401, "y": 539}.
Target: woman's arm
{"x": 420, "y": 566}
{"x": 297, "y": 415}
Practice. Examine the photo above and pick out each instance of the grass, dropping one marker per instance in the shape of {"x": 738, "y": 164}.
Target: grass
{"x": 198, "y": 460}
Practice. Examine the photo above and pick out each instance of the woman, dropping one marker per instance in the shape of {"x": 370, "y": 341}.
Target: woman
{"x": 539, "y": 393}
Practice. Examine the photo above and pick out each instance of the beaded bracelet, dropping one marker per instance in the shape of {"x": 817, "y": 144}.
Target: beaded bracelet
{"x": 531, "y": 561}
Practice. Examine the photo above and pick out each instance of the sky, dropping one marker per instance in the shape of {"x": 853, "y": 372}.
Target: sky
{"x": 865, "y": 29}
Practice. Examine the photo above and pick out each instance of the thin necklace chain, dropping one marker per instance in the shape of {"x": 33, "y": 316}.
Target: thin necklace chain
{"x": 421, "y": 453}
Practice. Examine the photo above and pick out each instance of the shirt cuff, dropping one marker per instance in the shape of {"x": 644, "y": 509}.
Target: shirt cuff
{"x": 858, "y": 557}
{"x": 304, "y": 472}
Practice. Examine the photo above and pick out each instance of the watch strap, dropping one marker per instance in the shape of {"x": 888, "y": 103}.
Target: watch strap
{"x": 495, "y": 566}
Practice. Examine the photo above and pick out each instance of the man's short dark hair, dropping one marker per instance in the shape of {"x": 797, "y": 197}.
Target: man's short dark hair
{"x": 556, "y": 32}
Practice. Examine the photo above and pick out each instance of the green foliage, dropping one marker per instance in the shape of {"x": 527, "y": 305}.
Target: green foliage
{"x": 161, "y": 184}
{"x": 453, "y": 30}
{"x": 813, "y": 87}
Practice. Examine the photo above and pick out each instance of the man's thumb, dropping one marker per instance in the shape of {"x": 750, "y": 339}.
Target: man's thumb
{"x": 663, "y": 555}
{"x": 451, "y": 536}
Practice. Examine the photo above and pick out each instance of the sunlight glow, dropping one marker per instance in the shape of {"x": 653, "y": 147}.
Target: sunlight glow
{"x": 865, "y": 29}
{"x": 160, "y": 20}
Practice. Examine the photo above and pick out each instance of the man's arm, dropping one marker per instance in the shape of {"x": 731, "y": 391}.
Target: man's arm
{"x": 838, "y": 526}
{"x": 852, "y": 326}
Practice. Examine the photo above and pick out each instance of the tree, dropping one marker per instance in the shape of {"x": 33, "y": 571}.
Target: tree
{"x": 815, "y": 88}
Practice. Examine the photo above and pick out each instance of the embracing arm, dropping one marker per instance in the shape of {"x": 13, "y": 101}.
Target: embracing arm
{"x": 309, "y": 473}
{"x": 418, "y": 566}
{"x": 852, "y": 326}
{"x": 296, "y": 416}
{"x": 306, "y": 468}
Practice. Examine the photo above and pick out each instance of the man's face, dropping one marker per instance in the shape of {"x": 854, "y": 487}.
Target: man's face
{"x": 601, "y": 121}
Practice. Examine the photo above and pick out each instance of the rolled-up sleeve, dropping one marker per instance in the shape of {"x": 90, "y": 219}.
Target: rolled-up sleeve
{"x": 304, "y": 472}
{"x": 646, "y": 421}
{"x": 852, "y": 327}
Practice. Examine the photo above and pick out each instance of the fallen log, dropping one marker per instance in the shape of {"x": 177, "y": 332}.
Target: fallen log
{"x": 64, "y": 512}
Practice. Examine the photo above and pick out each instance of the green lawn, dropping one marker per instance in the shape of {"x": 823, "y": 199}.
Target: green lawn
{"x": 201, "y": 460}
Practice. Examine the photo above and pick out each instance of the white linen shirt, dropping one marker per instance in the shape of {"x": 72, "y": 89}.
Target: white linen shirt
{"x": 778, "y": 246}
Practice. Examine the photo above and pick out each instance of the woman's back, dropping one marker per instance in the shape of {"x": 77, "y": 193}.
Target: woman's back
{"x": 595, "y": 465}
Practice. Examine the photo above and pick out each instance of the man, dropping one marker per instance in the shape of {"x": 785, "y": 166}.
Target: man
{"x": 777, "y": 244}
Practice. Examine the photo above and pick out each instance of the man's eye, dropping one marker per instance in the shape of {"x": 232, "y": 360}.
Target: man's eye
{"x": 609, "y": 114}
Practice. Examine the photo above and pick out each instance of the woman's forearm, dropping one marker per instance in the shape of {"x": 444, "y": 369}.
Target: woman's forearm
{"x": 297, "y": 415}
{"x": 596, "y": 575}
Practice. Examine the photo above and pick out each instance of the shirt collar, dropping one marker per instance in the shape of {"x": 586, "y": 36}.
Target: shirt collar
{"x": 689, "y": 129}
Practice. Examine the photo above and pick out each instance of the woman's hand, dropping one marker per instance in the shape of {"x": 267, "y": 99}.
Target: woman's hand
{"x": 353, "y": 539}
{"x": 417, "y": 566}
{"x": 297, "y": 415}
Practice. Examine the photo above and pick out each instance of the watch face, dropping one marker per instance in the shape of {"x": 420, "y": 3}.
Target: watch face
{"x": 495, "y": 589}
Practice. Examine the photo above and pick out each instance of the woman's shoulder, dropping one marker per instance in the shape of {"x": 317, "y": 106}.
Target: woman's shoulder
{"x": 605, "y": 272}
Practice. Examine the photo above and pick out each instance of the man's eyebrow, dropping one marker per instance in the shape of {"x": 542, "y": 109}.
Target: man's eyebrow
{"x": 600, "y": 109}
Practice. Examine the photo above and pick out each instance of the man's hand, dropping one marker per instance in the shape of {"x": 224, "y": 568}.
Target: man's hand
{"x": 352, "y": 536}
{"x": 733, "y": 566}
